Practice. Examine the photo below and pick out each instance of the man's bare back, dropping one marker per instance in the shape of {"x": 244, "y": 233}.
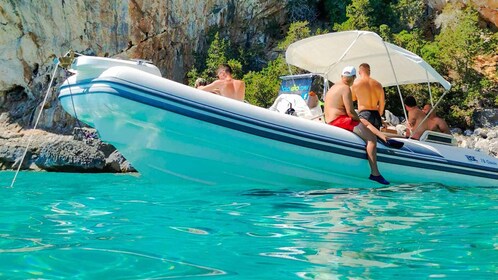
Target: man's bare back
{"x": 434, "y": 122}
{"x": 231, "y": 88}
{"x": 368, "y": 92}
{"x": 337, "y": 103}
{"x": 415, "y": 118}
{"x": 226, "y": 85}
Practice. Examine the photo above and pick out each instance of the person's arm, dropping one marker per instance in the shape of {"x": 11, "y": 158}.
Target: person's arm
{"x": 212, "y": 86}
{"x": 382, "y": 100}
{"x": 353, "y": 93}
{"x": 241, "y": 91}
{"x": 443, "y": 126}
{"x": 409, "y": 124}
{"x": 348, "y": 104}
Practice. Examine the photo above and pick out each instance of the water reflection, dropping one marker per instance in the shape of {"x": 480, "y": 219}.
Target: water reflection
{"x": 382, "y": 229}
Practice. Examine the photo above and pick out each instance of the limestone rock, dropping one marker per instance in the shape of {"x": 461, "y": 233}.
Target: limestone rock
{"x": 117, "y": 163}
{"x": 70, "y": 156}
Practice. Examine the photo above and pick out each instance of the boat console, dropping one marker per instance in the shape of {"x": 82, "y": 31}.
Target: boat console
{"x": 298, "y": 96}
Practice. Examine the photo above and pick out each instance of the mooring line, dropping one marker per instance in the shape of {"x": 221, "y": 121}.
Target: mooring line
{"x": 36, "y": 124}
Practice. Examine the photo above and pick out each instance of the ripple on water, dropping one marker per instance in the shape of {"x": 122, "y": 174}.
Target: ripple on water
{"x": 98, "y": 263}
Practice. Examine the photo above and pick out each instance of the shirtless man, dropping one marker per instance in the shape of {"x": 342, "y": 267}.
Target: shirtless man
{"x": 370, "y": 96}
{"x": 226, "y": 85}
{"x": 434, "y": 122}
{"x": 339, "y": 111}
{"x": 415, "y": 126}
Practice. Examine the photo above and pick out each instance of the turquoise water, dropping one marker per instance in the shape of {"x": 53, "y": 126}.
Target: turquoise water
{"x": 104, "y": 226}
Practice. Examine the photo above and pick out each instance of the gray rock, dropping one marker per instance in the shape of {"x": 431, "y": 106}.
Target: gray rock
{"x": 456, "y": 130}
{"x": 492, "y": 134}
{"x": 482, "y": 145}
{"x": 486, "y": 118}
{"x": 10, "y": 156}
{"x": 468, "y": 132}
{"x": 481, "y": 132}
{"x": 493, "y": 147}
{"x": 117, "y": 163}
{"x": 71, "y": 156}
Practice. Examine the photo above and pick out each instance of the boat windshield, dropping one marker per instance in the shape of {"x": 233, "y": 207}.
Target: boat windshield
{"x": 302, "y": 85}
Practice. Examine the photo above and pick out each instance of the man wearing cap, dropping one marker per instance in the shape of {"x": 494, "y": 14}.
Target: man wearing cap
{"x": 370, "y": 96}
{"x": 339, "y": 111}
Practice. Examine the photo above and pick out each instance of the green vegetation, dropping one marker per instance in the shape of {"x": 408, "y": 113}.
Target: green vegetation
{"x": 452, "y": 42}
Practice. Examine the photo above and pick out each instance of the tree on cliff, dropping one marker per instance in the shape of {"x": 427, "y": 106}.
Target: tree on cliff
{"x": 460, "y": 42}
{"x": 218, "y": 53}
{"x": 262, "y": 86}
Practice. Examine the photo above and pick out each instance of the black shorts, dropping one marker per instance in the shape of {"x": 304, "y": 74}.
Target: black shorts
{"x": 372, "y": 116}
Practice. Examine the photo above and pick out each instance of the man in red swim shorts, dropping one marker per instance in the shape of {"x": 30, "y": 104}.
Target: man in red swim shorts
{"x": 345, "y": 122}
{"x": 339, "y": 111}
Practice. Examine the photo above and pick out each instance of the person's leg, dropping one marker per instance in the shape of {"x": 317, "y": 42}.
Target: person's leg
{"x": 374, "y": 130}
{"x": 371, "y": 148}
{"x": 388, "y": 142}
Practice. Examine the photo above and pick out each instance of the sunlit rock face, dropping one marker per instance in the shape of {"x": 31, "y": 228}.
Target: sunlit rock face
{"x": 32, "y": 33}
{"x": 488, "y": 9}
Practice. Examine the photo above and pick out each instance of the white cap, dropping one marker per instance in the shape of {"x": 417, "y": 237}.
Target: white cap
{"x": 348, "y": 71}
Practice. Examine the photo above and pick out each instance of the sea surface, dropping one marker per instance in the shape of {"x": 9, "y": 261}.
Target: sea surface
{"x": 107, "y": 226}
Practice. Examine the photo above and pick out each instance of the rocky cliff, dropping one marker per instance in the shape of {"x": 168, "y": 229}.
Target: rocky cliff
{"x": 33, "y": 33}
{"x": 168, "y": 33}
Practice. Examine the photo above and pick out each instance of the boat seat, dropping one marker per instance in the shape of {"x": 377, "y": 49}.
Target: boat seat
{"x": 286, "y": 101}
{"x": 438, "y": 137}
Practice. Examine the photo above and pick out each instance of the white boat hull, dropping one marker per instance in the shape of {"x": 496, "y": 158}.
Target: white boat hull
{"x": 173, "y": 133}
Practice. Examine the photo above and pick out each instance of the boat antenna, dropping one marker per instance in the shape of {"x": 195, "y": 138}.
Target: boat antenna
{"x": 30, "y": 138}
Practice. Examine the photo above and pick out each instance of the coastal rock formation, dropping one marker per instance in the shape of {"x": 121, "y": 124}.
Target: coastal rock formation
{"x": 70, "y": 156}
{"x": 481, "y": 139}
{"x": 488, "y": 9}
{"x": 52, "y": 152}
{"x": 168, "y": 33}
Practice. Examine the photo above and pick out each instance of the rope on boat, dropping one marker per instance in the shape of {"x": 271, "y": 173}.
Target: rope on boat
{"x": 36, "y": 124}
